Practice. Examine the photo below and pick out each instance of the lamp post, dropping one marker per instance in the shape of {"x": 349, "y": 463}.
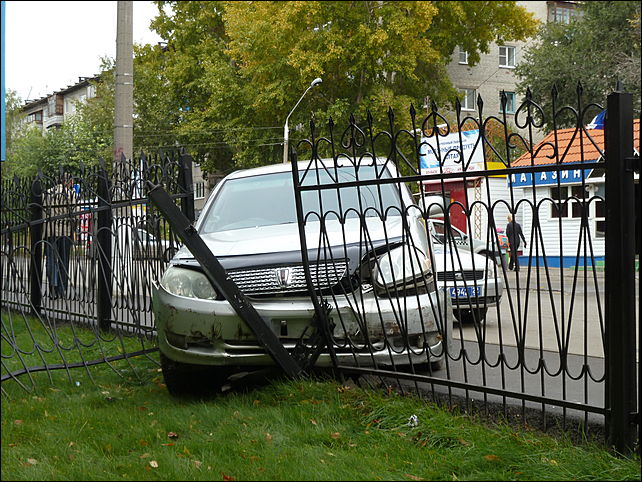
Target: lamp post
{"x": 316, "y": 81}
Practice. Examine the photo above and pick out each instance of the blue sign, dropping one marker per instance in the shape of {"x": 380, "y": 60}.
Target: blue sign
{"x": 548, "y": 178}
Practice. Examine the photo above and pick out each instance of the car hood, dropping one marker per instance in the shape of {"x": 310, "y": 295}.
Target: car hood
{"x": 280, "y": 244}
{"x": 457, "y": 260}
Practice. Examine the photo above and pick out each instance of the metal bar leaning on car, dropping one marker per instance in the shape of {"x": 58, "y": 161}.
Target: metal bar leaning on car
{"x": 222, "y": 282}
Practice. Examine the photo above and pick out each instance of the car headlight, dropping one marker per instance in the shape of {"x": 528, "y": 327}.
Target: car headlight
{"x": 399, "y": 267}
{"x": 188, "y": 282}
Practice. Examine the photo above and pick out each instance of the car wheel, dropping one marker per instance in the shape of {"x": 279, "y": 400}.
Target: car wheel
{"x": 470, "y": 316}
{"x": 186, "y": 379}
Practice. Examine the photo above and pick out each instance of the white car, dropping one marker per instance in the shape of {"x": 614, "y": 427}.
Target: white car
{"x": 490, "y": 249}
{"x": 376, "y": 274}
{"x": 473, "y": 282}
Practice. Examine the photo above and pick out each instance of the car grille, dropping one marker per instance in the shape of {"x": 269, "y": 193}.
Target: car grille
{"x": 275, "y": 280}
{"x": 468, "y": 275}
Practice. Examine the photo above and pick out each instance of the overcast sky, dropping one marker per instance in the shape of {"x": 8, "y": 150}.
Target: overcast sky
{"x": 48, "y": 45}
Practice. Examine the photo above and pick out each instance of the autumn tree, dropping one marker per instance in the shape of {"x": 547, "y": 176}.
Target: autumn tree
{"x": 237, "y": 68}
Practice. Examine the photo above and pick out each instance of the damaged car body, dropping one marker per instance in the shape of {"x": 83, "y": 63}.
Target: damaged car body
{"x": 367, "y": 258}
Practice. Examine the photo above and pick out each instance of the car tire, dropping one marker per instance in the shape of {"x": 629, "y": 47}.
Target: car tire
{"x": 186, "y": 379}
{"x": 470, "y": 316}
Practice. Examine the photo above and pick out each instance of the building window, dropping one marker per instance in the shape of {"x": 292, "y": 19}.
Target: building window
{"x": 563, "y": 197}
{"x": 559, "y": 14}
{"x": 599, "y": 214}
{"x": 199, "y": 190}
{"x": 463, "y": 56}
{"x": 507, "y": 57}
{"x": 55, "y": 105}
{"x": 510, "y": 102}
{"x": 35, "y": 117}
{"x": 469, "y": 98}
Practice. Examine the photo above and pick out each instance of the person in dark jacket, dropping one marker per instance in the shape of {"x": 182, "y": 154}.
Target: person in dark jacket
{"x": 514, "y": 233}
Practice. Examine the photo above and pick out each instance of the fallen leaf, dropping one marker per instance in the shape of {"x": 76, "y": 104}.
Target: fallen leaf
{"x": 256, "y": 402}
{"x": 268, "y": 437}
{"x": 143, "y": 443}
{"x": 142, "y": 408}
{"x": 172, "y": 435}
{"x": 463, "y": 442}
{"x": 313, "y": 421}
{"x": 413, "y": 477}
{"x": 198, "y": 463}
{"x": 227, "y": 477}
{"x": 13, "y": 445}
{"x": 168, "y": 445}
{"x": 153, "y": 463}
{"x": 144, "y": 456}
{"x": 32, "y": 461}
{"x": 71, "y": 444}
{"x": 18, "y": 422}
{"x": 492, "y": 458}
{"x": 335, "y": 435}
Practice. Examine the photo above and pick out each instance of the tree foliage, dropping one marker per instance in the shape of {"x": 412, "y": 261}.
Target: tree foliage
{"x": 598, "y": 48}
{"x": 239, "y": 67}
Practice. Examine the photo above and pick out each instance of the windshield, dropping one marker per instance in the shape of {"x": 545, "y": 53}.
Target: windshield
{"x": 268, "y": 199}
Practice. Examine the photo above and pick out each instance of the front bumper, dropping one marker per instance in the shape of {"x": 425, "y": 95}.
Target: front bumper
{"x": 474, "y": 294}
{"x": 368, "y": 330}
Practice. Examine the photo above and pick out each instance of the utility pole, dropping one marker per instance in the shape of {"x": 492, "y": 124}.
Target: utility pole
{"x": 124, "y": 87}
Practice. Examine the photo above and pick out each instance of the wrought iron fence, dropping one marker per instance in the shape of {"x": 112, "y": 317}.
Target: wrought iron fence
{"x": 404, "y": 257}
{"x": 432, "y": 306}
{"x": 80, "y": 251}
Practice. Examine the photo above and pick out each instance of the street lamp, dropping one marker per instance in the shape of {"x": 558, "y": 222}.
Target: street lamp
{"x": 316, "y": 81}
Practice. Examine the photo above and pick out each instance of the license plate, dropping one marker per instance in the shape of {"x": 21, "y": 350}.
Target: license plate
{"x": 465, "y": 292}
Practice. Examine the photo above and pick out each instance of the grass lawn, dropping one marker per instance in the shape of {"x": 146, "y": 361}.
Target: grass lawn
{"x": 121, "y": 424}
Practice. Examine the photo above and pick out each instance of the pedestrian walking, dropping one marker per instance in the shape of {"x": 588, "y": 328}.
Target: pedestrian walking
{"x": 514, "y": 233}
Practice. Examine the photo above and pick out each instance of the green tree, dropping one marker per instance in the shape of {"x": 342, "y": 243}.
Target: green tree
{"x": 241, "y": 66}
{"x": 599, "y": 47}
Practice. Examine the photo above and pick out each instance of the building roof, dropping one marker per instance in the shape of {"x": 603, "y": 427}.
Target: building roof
{"x": 573, "y": 146}
{"x": 82, "y": 81}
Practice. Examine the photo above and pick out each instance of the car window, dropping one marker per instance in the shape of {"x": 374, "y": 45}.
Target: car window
{"x": 269, "y": 199}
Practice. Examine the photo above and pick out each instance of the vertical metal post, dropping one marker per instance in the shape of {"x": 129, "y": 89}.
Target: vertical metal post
{"x": 187, "y": 184}
{"x": 621, "y": 379}
{"x": 35, "y": 231}
{"x": 104, "y": 247}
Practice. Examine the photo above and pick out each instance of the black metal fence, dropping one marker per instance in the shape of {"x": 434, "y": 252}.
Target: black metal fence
{"x": 81, "y": 249}
{"x": 410, "y": 221}
{"x": 553, "y": 343}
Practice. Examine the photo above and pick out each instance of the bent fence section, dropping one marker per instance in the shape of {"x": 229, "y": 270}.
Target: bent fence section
{"x": 411, "y": 277}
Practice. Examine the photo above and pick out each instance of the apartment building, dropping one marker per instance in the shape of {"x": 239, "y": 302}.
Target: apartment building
{"x": 52, "y": 110}
{"x": 495, "y": 71}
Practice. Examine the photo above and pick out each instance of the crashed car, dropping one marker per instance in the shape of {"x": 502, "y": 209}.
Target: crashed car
{"x": 373, "y": 269}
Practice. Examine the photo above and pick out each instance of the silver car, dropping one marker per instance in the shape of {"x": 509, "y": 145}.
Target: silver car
{"x": 375, "y": 272}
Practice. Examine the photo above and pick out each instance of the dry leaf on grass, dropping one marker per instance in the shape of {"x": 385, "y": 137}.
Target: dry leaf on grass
{"x": 413, "y": 477}
{"x": 153, "y": 464}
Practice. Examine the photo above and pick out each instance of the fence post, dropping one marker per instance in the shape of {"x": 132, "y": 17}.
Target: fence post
{"x": 620, "y": 337}
{"x": 187, "y": 186}
{"x": 35, "y": 232}
{"x": 104, "y": 247}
